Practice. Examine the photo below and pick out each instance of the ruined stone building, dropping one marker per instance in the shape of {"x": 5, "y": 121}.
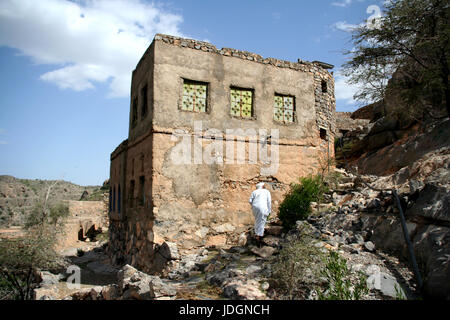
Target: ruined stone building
{"x": 188, "y": 96}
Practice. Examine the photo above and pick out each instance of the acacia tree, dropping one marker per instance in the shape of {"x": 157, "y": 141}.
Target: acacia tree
{"x": 407, "y": 49}
{"x": 21, "y": 258}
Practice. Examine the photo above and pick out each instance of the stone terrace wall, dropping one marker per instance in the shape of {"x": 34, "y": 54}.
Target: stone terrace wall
{"x": 344, "y": 122}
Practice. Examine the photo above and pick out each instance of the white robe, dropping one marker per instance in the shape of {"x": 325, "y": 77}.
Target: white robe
{"x": 261, "y": 202}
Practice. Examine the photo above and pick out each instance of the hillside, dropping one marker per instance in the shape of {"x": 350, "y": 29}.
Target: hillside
{"x": 18, "y": 196}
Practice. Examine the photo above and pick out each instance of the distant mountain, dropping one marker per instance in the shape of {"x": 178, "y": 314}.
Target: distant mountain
{"x": 18, "y": 196}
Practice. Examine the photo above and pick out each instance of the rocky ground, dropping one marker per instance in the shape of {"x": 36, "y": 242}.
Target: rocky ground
{"x": 359, "y": 218}
{"x": 242, "y": 271}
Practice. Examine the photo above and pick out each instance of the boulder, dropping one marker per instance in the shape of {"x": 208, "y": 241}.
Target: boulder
{"x": 386, "y": 284}
{"x": 263, "y": 252}
{"x": 274, "y": 230}
{"x": 433, "y": 203}
{"x": 369, "y": 246}
{"x": 110, "y": 292}
{"x": 48, "y": 278}
{"x": 432, "y": 248}
{"x": 243, "y": 290}
{"x": 169, "y": 250}
{"x": 137, "y": 285}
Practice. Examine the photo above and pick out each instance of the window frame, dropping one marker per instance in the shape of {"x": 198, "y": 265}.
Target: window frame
{"x": 294, "y": 109}
{"x": 252, "y": 106}
{"x": 144, "y": 100}
{"x": 207, "y": 98}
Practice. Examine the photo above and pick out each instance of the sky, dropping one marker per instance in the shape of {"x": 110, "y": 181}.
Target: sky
{"x": 65, "y": 66}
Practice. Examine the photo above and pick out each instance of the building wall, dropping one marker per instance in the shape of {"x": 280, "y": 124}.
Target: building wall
{"x": 207, "y": 204}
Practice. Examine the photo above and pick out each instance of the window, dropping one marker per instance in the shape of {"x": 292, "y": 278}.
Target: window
{"x": 144, "y": 101}
{"x": 134, "y": 113}
{"x": 131, "y": 195}
{"x": 284, "y": 109}
{"x": 118, "y": 199}
{"x": 323, "y": 134}
{"x": 194, "y": 96}
{"x": 241, "y": 102}
{"x": 114, "y": 199}
{"x": 324, "y": 86}
{"x": 141, "y": 190}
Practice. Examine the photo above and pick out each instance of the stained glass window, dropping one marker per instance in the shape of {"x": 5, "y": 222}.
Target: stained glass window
{"x": 194, "y": 96}
{"x": 241, "y": 102}
{"x": 284, "y": 109}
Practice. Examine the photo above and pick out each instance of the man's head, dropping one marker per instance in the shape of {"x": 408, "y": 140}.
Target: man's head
{"x": 260, "y": 185}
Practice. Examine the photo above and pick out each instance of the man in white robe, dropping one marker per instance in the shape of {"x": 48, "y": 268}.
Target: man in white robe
{"x": 261, "y": 202}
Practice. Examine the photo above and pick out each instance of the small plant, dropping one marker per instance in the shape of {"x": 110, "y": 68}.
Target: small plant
{"x": 399, "y": 295}
{"x": 297, "y": 203}
{"x": 339, "y": 285}
{"x": 295, "y": 269}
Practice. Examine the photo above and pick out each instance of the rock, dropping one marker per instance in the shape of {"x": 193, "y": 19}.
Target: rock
{"x": 134, "y": 284}
{"x": 48, "y": 278}
{"x": 252, "y": 269}
{"x": 169, "y": 250}
{"x": 83, "y": 294}
{"x": 265, "y": 286}
{"x": 415, "y": 186}
{"x": 100, "y": 268}
{"x": 238, "y": 249}
{"x": 369, "y": 246}
{"x": 110, "y": 292}
{"x": 210, "y": 268}
{"x": 271, "y": 241}
{"x": 357, "y": 238}
{"x": 223, "y": 228}
{"x": 274, "y": 230}
{"x": 263, "y": 252}
{"x": 216, "y": 241}
{"x": 386, "y": 284}
{"x": 433, "y": 203}
{"x": 242, "y": 241}
{"x": 239, "y": 290}
{"x": 161, "y": 288}
{"x": 48, "y": 291}
{"x": 96, "y": 293}
{"x": 432, "y": 247}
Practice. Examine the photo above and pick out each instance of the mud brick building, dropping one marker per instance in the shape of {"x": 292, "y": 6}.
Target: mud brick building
{"x": 181, "y": 83}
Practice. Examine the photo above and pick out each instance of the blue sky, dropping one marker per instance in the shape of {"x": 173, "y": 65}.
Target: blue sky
{"x": 66, "y": 66}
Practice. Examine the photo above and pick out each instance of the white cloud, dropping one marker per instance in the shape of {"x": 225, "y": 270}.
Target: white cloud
{"x": 344, "y": 3}
{"x": 88, "y": 40}
{"x": 343, "y": 91}
{"x": 344, "y": 26}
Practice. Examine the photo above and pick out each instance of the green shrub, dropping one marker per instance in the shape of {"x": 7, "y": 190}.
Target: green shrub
{"x": 297, "y": 203}
{"x": 339, "y": 284}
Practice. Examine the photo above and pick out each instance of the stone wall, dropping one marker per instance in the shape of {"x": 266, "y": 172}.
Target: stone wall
{"x": 84, "y": 217}
{"x": 345, "y": 123}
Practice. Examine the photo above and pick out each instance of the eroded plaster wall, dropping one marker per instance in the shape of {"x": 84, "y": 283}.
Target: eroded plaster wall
{"x": 196, "y": 204}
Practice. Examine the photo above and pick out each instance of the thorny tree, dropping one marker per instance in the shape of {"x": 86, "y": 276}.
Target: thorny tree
{"x": 22, "y": 258}
{"x": 409, "y": 44}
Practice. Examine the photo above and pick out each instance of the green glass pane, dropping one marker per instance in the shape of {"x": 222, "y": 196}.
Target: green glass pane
{"x": 194, "y": 97}
{"x": 241, "y": 103}
{"x": 288, "y": 115}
